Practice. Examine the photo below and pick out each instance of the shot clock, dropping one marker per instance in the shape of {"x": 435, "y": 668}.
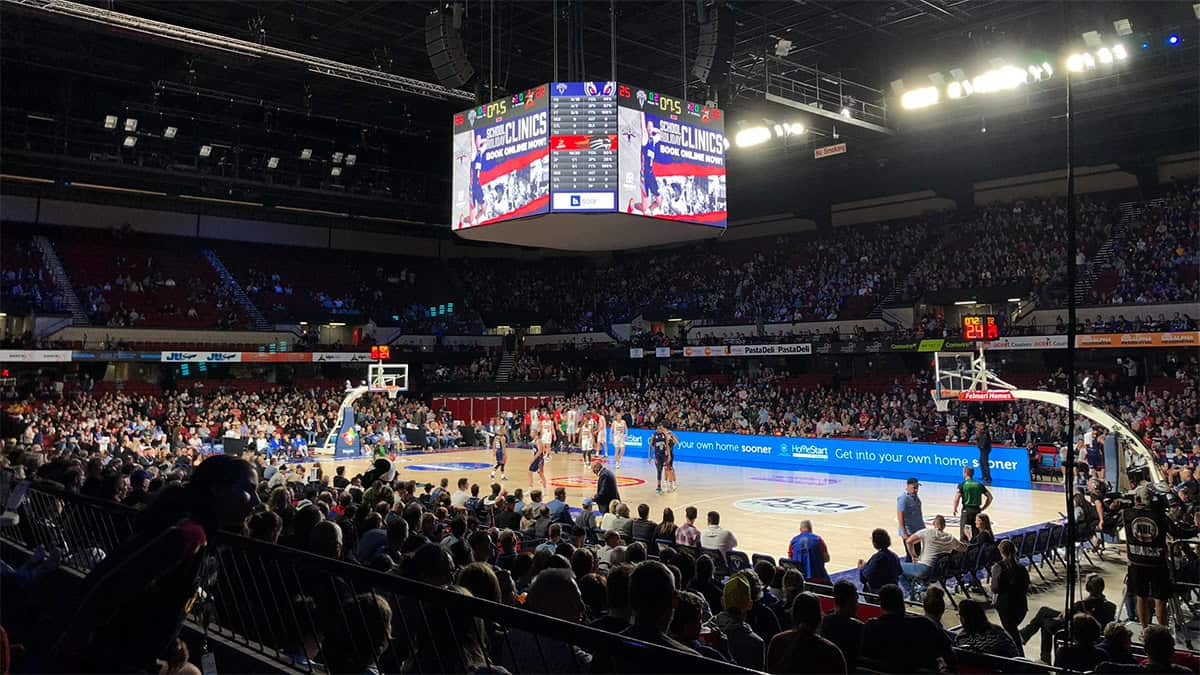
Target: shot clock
{"x": 980, "y": 328}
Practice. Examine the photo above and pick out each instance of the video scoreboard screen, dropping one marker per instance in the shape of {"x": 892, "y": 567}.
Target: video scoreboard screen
{"x": 583, "y": 146}
{"x": 672, "y": 157}
{"x": 578, "y": 147}
{"x": 501, "y": 167}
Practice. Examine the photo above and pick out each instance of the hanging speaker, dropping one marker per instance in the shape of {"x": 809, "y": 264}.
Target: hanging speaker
{"x": 444, "y": 44}
{"x": 715, "y": 50}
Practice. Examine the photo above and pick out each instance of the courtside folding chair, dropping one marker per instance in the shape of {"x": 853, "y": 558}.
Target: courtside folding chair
{"x": 757, "y": 557}
{"x": 737, "y": 561}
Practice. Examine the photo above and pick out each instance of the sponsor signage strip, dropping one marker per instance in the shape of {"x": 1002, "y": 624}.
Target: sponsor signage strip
{"x": 35, "y": 355}
{"x": 1124, "y": 340}
{"x": 940, "y": 462}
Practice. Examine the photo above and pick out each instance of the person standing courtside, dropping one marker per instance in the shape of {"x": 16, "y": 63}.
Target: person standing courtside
{"x": 908, "y": 511}
{"x": 983, "y": 439}
{"x": 975, "y": 498}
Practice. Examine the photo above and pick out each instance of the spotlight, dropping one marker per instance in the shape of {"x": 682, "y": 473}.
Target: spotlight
{"x": 1089, "y": 62}
{"x": 1046, "y": 67}
{"x": 968, "y": 88}
{"x": 337, "y": 158}
{"x": 898, "y": 87}
{"x": 205, "y": 150}
{"x": 1035, "y": 72}
{"x": 273, "y": 162}
{"x": 1173, "y": 39}
{"x": 778, "y": 131}
{"x": 110, "y": 121}
{"x": 1075, "y": 63}
{"x": 1119, "y": 52}
{"x": 920, "y": 98}
{"x": 954, "y": 90}
{"x": 169, "y": 132}
{"x": 794, "y": 129}
{"x": 958, "y": 74}
{"x": 783, "y": 47}
{"x": 1105, "y": 55}
{"x": 1092, "y": 39}
{"x": 131, "y": 123}
{"x": 1123, "y": 27}
{"x": 351, "y": 159}
{"x": 130, "y": 141}
{"x": 335, "y": 171}
{"x": 937, "y": 79}
{"x": 846, "y": 113}
{"x": 306, "y": 153}
{"x": 752, "y": 136}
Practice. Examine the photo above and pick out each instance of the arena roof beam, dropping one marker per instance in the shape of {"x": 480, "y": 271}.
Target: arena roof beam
{"x": 211, "y": 41}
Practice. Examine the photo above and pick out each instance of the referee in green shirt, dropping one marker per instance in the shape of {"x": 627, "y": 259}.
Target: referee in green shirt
{"x": 975, "y": 498}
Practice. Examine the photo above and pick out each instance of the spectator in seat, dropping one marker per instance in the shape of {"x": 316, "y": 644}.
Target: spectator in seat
{"x": 617, "y": 618}
{"x": 652, "y": 604}
{"x": 686, "y": 625}
{"x": 1160, "y": 651}
{"x": 559, "y": 511}
{"x": 745, "y": 646}
{"x": 622, "y": 523}
{"x": 553, "y": 593}
{"x": 883, "y": 567}
{"x": 935, "y": 542}
{"x": 667, "y": 528}
{"x": 716, "y": 537}
{"x": 979, "y": 634}
{"x": 810, "y": 553}
{"x": 688, "y": 534}
{"x": 705, "y": 585}
{"x": 1049, "y": 620}
{"x": 801, "y": 649}
{"x": 842, "y": 627}
{"x": 1117, "y": 646}
{"x": 903, "y": 643}
{"x": 356, "y": 642}
{"x": 760, "y": 617}
{"x": 1081, "y": 654}
{"x": 642, "y": 528}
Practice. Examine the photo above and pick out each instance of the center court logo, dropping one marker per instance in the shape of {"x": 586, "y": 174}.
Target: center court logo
{"x": 813, "y": 506}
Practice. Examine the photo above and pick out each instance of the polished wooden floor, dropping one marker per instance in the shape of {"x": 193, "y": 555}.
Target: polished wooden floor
{"x": 763, "y": 508}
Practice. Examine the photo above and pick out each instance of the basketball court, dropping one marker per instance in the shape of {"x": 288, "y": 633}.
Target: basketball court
{"x": 763, "y": 508}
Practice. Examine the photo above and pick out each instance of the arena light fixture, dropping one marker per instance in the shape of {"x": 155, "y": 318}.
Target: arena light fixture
{"x": 130, "y": 141}
{"x": 1092, "y": 39}
{"x": 778, "y": 130}
{"x": 964, "y": 302}
{"x": 898, "y": 87}
{"x": 846, "y": 113}
{"x": 351, "y": 160}
{"x": 306, "y": 153}
{"x": 205, "y": 150}
{"x": 1000, "y": 79}
{"x": 335, "y": 324}
{"x": 1173, "y": 39}
{"x": 169, "y": 132}
{"x": 1046, "y": 67}
{"x": 937, "y": 79}
{"x": 1014, "y": 299}
{"x": 1123, "y": 27}
{"x": 1104, "y": 55}
{"x": 919, "y": 98}
{"x": 337, "y": 158}
{"x": 752, "y": 136}
{"x": 955, "y": 90}
{"x": 1119, "y": 52}
{"x": 335, "y": 171}
{"x": 130, "y": 124}
{"x": 110, "y": 121}
{"x": 272, "y": 162}
{"x": 783, "y": 47}
{"x": 1075, "y": 63}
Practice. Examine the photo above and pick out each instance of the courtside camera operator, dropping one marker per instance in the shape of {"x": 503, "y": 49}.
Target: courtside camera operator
{"x": 1146, "y": 528}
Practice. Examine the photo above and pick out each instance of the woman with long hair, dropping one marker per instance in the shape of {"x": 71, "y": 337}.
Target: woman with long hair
{"x": 666, "y": 529}
{"x": 801, "y": 650}
{"x": 1010, "y": 585}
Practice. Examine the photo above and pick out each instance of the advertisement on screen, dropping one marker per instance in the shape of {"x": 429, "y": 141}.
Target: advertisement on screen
{"x": 937, "y": 462}
{"x": 501, "y": 164}
{"x": 672, "y": 157}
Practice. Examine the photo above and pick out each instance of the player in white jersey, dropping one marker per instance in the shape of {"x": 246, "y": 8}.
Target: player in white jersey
{"x": 587, "y": 439}
{"x": 541, "y": 449}
{"x": 572, "y": 416}
{"x": 601, "y": 435}
{"x": 619, "y": 430}
{"x": 533, "y": 424}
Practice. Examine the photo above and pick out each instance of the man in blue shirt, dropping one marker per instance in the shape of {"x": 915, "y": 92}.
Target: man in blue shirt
{"x": 810, "y": 552}
{"x": 559, "y": 511}
{"x": 908, "y": 511}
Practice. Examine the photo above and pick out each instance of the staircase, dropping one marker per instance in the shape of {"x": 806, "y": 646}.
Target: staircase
{"x": 62, "y": 282}
{"x": 504, "y": 370}
{"x": 239, "y": 293}
{"x": 930, "y": 244}
{"x": 1091, "y": 270}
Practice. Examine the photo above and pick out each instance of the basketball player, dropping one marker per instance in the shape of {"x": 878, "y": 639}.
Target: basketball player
{"x": 476, "y": 203}
{"x": 618, "y": 438}
{"x": 601, "y": 435}
{"x": 572, "y": 426}
{"x": 540, "y": 452}
{"x": 546, "y": 433}
{"x": 587, "y": 438}
{"x": 498, "y": 445}
{"x": 669, "y": 465}
{"x": 651, "y": 201}
{"x": 532, "y": 418}
{"x": 657, "y": 453}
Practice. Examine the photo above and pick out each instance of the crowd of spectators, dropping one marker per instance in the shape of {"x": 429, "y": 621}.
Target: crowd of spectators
{"x": 529, "y": 366}
{"x": 1024, "y": 244}
{"x": 1158, "y": 259}
{"x": 482, "y": 369}
{"x": 26, "y": 281}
